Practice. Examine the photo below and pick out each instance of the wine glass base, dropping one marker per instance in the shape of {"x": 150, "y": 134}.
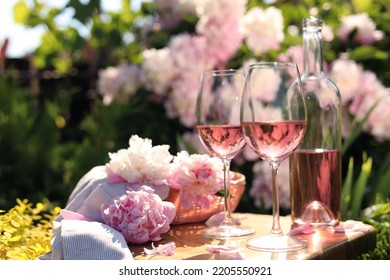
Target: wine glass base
{"x": 225, "y": 232}
{"x": 270, "y": 243}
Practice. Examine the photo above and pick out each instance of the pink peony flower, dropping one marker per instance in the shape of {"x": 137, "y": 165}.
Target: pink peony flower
{"x": 366, "y": 32}
{"x": 158, "y": 70}
{"x": 197, "y": 177}
{"x": 117, "y": 84}
{"x": 140, "y": 216}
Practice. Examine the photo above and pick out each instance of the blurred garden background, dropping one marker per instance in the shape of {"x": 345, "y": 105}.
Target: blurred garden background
{"x": 104, "y": 74}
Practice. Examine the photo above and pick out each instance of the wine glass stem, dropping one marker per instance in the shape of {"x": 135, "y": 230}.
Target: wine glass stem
{"x": 228, "y": 220}
{"x": 276, "y": 229}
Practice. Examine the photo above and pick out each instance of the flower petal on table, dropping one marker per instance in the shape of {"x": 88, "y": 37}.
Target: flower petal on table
{"x": 303, "y": 229}
{"x": 226, "y": 252}
{"x": 217, "y": 219}
{"x": 352, "y": 226}
{"x": 167, "y": 249}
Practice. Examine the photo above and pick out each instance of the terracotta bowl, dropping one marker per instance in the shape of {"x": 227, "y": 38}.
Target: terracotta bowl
{"x": 196, "y": 213}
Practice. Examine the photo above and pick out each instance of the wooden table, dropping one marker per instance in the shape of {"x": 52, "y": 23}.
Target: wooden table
{"x": 323, "y": 244}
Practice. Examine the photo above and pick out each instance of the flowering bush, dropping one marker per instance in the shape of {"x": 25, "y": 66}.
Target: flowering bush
{"x": 26, "y": 230}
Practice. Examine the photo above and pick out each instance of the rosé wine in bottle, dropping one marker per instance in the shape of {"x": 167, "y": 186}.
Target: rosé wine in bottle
{"x": 320, "y": 172}
{"x": 223, "y": 141}
{"x": 315, "y": 167}
{"x": 274, "y": 141}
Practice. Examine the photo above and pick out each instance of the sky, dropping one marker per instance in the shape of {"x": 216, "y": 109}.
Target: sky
{"x": 23, "y": 41}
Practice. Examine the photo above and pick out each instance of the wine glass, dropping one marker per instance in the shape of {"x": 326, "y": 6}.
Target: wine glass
{"x": 273, "y": 120}
{"x": 218, "y": 128}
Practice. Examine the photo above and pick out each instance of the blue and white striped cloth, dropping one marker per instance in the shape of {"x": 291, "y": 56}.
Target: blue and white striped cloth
{"x": 91, "y": 239}
{"x": 83, "y": 240}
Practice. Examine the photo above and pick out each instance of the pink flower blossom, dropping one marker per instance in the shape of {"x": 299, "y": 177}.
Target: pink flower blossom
{"x": 117, "y": 84}
{"x": 197, "y": 177}
{"x": 360, "y": 91}
{"x": 263, "y": 29}
{"x": 366, "y": 32}
{"x": 293, "y": 54}
{"x": 347, "y": 75}
{"x": 140, "y": 216}
{"x": 158, "y": 70}
{"x": 182, "y": 101}
{"x": 189, "y": 54}
{"x": 219, "y": 23}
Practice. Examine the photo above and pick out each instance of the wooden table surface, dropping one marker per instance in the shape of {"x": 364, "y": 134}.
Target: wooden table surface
{"x": 323, "y": 244}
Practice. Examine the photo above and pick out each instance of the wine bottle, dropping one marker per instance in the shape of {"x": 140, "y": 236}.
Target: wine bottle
{"x": 315, "y": 167}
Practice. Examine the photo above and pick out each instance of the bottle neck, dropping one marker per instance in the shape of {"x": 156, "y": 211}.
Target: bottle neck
{"x": 312, "y": 52}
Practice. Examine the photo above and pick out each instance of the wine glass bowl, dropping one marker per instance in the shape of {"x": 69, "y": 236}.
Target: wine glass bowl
{"x": 273, "y": 120}
{"x": 219, "y": 130}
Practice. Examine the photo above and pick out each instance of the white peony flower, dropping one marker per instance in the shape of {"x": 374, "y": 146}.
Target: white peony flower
{"x": 141, "y": 164}
{"x": 263, "y": 29}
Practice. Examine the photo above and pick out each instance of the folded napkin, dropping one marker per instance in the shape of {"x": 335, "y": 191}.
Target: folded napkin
{"x": 79, "y": 232}
{"x": 85, "y": 240}
{"x": 91, "y": 192}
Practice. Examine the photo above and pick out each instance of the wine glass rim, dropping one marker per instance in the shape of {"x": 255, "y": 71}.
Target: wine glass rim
{"x": 222, "y": 71}
{"x": 273, "y": 63}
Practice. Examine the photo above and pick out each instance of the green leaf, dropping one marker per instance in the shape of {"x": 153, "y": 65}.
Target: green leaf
{"x": 360, "y": 185}
{"x": 346, "y": 192}
{"x": 21, "y": 12}
{"x": 361, "y": 5}
{"x": 83, "y": 12}
{"x": 357, "y": 127}
{"x": 382, "y": 186}
{"x": 367, "y": 52}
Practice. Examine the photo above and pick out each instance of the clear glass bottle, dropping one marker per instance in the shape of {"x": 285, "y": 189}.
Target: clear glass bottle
{"x": 315, "y": 168}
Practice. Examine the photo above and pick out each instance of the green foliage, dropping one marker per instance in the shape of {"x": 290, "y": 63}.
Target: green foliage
{"x": 30, "y": 145}
{"x": 26, "y": 230}
{"x": 378, "y": 215}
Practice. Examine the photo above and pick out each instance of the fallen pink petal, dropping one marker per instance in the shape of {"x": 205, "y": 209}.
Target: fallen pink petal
{"x": 226, "y": 252}
{"x": 217, "y": 219}
{"x": 167, "y": 249}
{"x": 303, "y": 229}
{"x": 352, "y": 226}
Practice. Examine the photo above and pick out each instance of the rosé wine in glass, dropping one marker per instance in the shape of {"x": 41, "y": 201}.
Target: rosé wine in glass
{"x": 273, "y": 120}
{"x": 219, "y": 130}
{"x": 223, "y": 141}
{"x": 274, "y": 141}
